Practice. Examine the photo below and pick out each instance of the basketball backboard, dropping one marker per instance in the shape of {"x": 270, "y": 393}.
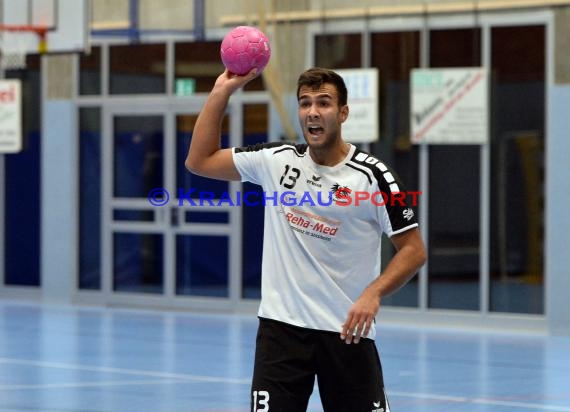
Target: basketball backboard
{"x": 66, "y": 21}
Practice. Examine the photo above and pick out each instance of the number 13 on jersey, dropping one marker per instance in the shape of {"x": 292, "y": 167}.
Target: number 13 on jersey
{"x": 289, "y": 177}
{"x": 260, "y": 401}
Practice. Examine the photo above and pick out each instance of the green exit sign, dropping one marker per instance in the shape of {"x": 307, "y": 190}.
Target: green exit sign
{"x": 185, "y": 87}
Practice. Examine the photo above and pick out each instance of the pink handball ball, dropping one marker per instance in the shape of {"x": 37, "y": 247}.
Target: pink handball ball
{"x": 244, "y": 48}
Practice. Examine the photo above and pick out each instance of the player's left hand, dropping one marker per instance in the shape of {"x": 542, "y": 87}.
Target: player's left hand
{"x": 360, "y": 317}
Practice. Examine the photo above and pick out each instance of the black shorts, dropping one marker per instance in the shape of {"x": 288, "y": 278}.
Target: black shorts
{"x": 287, "y": 359}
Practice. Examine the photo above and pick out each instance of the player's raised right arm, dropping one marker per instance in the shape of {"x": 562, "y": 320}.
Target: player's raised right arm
{"x": 205, "y": 155}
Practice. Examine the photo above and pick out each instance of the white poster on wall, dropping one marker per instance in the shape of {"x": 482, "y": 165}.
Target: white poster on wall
{"x": 10, "y": 116}
{"x": 362, "y": 125}
{"x": 449, "y": 106}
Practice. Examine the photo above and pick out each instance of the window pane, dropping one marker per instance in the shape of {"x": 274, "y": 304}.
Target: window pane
{"x": 90, "y": 72}
{"x": 338, "y": 51}
{"x": 201, "y": 62}
{"x": 207, "y": 217}
{"x": 90, "y": 198}
{"x": 129, "y": 215}
{"x": 138, "y": 155}
{"x": 255, "y": 126}
{"x": 395, "y": 54}
{"x": 455, "y": 48}
{"x": 454, "y": 172}
{"x": 453, "y": 242}
{"x": 517, "y": 161}
{"x": 202, "y": 265}
{"x": 137, "y": 69}
{"x": 138, "y": 263}
{"x": 189, "y": 183}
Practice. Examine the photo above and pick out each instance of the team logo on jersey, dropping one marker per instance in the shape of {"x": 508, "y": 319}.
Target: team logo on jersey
{"x": 408, "y": 214}
{"x": 340, "y": 193}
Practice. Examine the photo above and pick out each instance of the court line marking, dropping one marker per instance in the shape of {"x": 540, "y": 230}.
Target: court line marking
{"x": 168, "y": 377}
{"x": 480, "y": 401}
{"x": 88, "y": 384}
{"x": 137, "y": 372}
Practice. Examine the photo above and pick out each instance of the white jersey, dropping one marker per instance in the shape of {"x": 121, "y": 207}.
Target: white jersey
{"x": 322, "y": 236}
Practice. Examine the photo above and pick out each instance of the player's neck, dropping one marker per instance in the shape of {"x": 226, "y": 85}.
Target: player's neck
{"x": 330, "y": 155}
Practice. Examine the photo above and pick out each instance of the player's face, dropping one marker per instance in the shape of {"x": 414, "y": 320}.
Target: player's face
{"x": 320, "y": 115}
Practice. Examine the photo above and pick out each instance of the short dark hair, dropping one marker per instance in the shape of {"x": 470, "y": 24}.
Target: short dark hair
{"x": 317, "y": 76}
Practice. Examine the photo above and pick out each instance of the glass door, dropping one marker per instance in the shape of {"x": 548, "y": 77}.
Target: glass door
{"x": 166, "y": 235}
{"x": 206, "y": 223}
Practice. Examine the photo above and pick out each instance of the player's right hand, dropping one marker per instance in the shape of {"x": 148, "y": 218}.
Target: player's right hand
{"x": 234, "y": 81}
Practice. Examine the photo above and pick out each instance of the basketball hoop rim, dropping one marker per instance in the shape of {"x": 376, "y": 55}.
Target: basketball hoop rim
{"x": 39, "y": 30}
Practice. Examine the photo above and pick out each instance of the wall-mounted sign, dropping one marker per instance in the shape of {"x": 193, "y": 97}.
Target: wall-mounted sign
{"x": 10, "y": 116}
{"x": 185, "y": 86}
{"x": 449, "y": 106}
{"x": 362, "y": 125}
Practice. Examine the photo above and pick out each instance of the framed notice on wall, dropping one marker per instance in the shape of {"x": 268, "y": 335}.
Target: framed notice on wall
{"x": 449, "y": 106}
{"x": 10, "y": 116}
{"x": 362, "y": 125}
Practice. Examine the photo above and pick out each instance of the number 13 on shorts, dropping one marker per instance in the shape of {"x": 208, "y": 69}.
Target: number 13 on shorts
{"x": 260, "y": 401}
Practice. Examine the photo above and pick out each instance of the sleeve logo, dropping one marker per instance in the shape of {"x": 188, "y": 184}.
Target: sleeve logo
{"x": 408, "y": 214}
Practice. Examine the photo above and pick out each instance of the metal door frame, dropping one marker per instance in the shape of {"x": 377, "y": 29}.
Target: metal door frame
{"x": 168, "y": 109}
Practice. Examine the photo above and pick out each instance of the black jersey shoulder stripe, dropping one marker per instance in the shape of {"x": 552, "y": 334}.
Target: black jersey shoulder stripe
{"x": 259, "y": 146}
{"x": 298, "y": 149}
{"x": 401, "y": 215}
{"x": 373, "y": 168}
